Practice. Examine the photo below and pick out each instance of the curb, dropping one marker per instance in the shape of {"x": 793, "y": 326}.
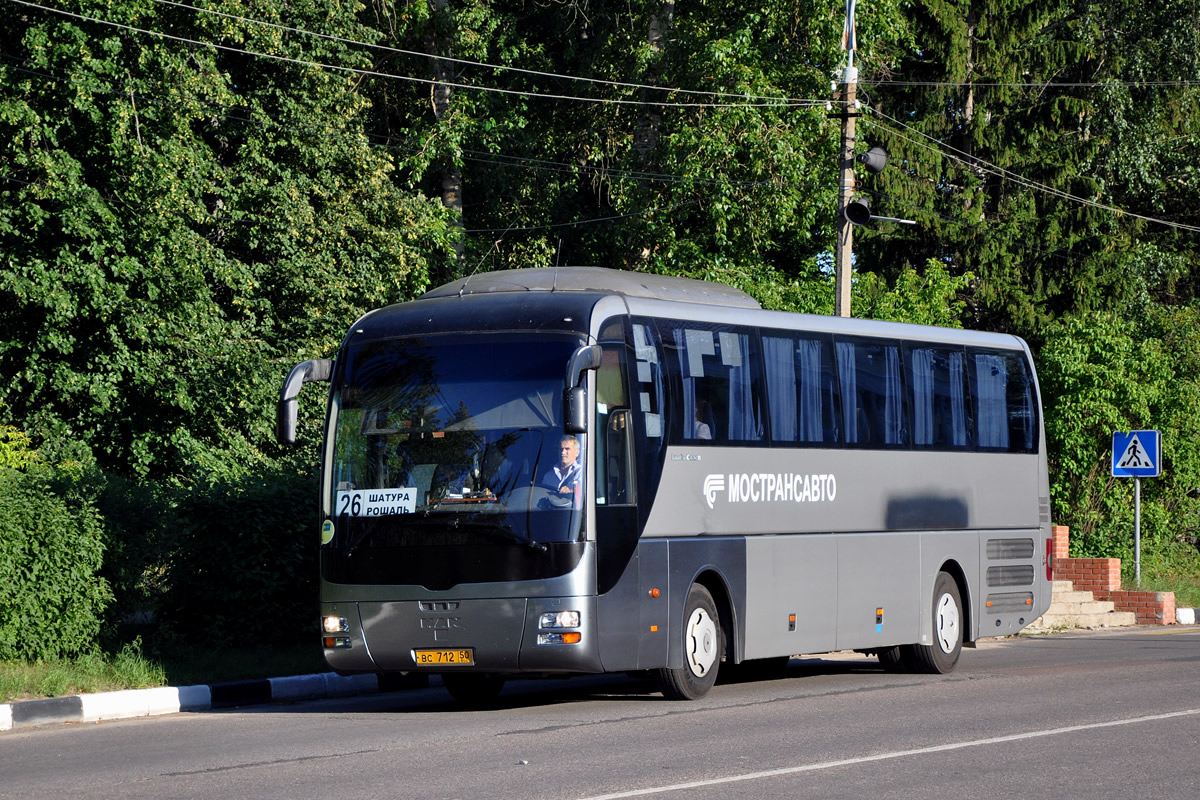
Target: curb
{"x": 171, "y": 699}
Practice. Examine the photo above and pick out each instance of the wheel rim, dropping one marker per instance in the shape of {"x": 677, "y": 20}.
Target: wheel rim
{"x": 946, "y": 622}
{"x": 700, "y": 640}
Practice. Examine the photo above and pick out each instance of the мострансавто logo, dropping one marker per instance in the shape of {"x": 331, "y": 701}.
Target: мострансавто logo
{"x": 770, "y": 487}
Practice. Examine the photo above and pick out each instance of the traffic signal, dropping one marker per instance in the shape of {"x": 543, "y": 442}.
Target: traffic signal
{"x": 858, "y": 210}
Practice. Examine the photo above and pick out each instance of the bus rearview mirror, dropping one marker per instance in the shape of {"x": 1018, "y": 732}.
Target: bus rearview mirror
{"x": 317, "y": 369}
{"x": 575, "y": 411}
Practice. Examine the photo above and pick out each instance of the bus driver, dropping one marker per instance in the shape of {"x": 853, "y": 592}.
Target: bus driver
{"x": 565, "y": 475}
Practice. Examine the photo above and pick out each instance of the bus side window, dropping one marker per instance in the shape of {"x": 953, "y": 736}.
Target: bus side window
{"x": 937, "y": 382}
{"x": 1003, "y": 394}
{"x": 801, "y": 388}
{"x": 614, "y": 448}
{"x": 875, "y": 408}
{"x": 718, "y": 373}
{"x": 649, "y": 380}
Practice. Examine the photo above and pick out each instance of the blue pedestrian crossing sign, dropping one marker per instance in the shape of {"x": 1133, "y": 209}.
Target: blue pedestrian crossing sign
{"x": 1136, "y": 454}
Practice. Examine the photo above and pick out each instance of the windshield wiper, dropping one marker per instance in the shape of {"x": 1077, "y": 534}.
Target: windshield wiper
{"x": 499, "y": 530}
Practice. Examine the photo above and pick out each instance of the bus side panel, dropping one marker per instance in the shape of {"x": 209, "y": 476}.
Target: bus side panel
{"x": 948, "y": 548}
{"x": 1012, "y": 589}
{"x": 655, "y": 612}
{"x": 879, "y": 595}
{"x": 791, "y": 576}
{"x": 632, "y": 623}
{"x": 718, "y": 563}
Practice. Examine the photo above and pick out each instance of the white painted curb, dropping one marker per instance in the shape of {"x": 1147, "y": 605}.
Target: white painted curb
{"x": 1185, "y": 616}
{"x": 132, "y": 703}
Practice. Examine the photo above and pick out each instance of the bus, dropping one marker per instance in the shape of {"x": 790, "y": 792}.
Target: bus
{"x": 573, "y": 470}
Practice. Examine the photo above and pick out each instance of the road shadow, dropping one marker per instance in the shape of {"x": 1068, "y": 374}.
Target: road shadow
{"x": 413, "y": 695}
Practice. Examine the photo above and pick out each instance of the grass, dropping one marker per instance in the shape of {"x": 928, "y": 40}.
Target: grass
{"x": 1185, "y": 586}
{"x": 94, "y": 672}
{"x": 131, "y": 669}
{"x": 1174, "y": 568}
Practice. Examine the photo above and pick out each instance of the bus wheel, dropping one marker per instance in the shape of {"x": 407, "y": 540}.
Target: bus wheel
{"x": 703, "y": 645}
{"x": 891, "y": 659}
{"x": 941, "y": 656}
{"x": 472, "y": 689}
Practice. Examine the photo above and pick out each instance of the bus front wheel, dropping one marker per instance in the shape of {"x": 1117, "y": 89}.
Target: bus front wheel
{"x": 941, "y": 656}
{"x": 703, "y": 646}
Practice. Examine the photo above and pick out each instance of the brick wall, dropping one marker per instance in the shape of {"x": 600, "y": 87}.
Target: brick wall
{"x": 1090, "y": 574}
{"x": 1102, "y": 577}
{"x": 1062, "y": 541}
{"x": 1151, "y": 608}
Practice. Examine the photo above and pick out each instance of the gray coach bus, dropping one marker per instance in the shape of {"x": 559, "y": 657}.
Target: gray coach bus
{"x": 581, "y": 470}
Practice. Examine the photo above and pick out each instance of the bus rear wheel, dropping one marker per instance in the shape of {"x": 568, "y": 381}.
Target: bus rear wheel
{"x": 941, "y": 656}
{"x": 703, "y": 646}
{"x": 472, "y": 689}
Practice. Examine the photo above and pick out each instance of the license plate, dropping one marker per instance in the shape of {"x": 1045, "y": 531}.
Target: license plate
{"x": 461, "y": 657}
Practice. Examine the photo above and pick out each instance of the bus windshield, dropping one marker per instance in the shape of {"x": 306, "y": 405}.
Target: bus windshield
{"x": 454, "y": 440}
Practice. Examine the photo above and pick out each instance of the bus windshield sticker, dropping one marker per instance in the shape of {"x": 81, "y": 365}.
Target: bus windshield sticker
{"x": 376, "y": 502}
{"x": 327, "y": 531}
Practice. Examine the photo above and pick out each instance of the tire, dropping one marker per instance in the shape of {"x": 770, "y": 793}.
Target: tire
{"x": 703, "y": 647}
{"x": 472, "y": 689}
{"x": 891, "y": 659}
{"x": 941, "y": 656}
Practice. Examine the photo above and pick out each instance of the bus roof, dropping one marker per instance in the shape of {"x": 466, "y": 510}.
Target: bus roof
{"x": 598, "y": 280}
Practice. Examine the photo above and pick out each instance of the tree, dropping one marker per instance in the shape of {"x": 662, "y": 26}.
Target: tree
{"x": 179, "y": 223}
{"x": 1004, "y": 97}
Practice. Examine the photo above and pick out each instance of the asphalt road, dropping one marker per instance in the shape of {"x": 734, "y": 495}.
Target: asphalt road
{"x": 1097, "y": 715}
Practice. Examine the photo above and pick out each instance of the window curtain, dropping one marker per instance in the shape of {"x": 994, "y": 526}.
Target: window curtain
{"x": 958, "y": 400}
{"x": 924, "y": 397}
{"x": 893, "y": 401}
{"x": 849, "y": 381}
{"x": 743, "y": 414}
{"x": 808, "y": 353}
{"x": 991, "y": 385}
{"x": 691, "y": 366}
{"x": 781, "y": 387}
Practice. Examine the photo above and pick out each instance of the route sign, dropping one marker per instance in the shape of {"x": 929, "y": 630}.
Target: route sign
{"x": 1136, "y": 454}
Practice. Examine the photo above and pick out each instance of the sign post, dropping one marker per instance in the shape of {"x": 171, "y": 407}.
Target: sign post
{"x": 1137, "y": 455}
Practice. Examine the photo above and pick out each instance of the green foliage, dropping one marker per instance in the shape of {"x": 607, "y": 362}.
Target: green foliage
{"x": 932, "y": 298}
{"x": 1049, "y": 118}
{"x": 242, "y": 562}
{"x": 178, "y": 225}
{"x": 1100, "y": 374}
{"x": 52, "y": 599}
{"x": 16, "y": 449}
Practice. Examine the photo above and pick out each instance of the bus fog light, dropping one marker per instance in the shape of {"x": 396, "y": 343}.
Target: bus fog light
{"x": 334, "y": 624}
{"x": 559, "y": 619}
{"x": 559, "y": 638}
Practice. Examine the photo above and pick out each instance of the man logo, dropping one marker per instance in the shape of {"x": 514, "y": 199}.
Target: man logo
{"x": 712, "y": 485}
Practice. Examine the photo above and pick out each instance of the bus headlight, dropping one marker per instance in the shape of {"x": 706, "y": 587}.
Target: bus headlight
{"x": 334, "y": 624}
{"x": 559, "y": 619}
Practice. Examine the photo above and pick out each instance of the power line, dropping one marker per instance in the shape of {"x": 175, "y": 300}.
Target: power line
{"x": 776, "y": 103}
{"x": 1034, "y": 85}
{"x": 969, "y": 160}
{"x": 485, "y": 65}
{"x": 474, "y": 156}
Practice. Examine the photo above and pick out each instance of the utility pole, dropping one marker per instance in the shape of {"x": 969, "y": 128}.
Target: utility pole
{"x": 843, "y": 266}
